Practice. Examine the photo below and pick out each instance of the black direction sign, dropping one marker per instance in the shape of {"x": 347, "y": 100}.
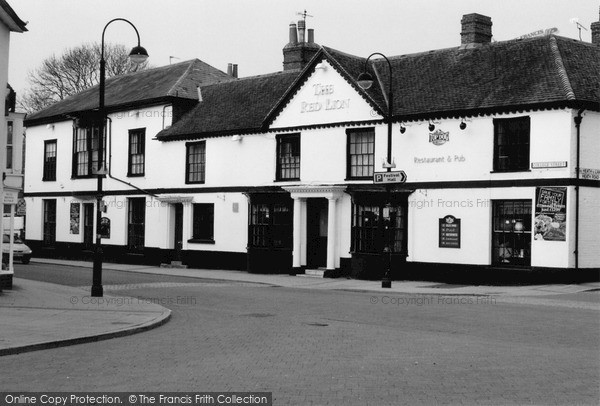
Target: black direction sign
{"x": 389, "y": 177}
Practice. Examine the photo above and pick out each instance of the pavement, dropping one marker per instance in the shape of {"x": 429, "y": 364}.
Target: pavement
{"x": 37, "y": 315}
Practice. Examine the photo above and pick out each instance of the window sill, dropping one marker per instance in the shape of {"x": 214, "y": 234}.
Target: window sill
{"x": 86, "y": 177}
{"x": 194, "y": 183}
{"x": 287, "y": 180}
{"x": 359, "y": 179}
{"x": 512, "y": 171}
{"x": 135, "y": 175}
{"x": 201, "y": 241}
{"x": 48, "y": 180}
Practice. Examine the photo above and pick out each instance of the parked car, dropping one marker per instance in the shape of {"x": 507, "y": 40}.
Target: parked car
{"x": 20, "y": 250}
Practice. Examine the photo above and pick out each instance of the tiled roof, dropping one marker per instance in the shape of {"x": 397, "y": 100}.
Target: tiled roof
{"x": 540, "y": 72}
{"x": 172, "y": 81}
{"x": 519, "y": 74}
{"x": 237, "y": 106}
{"x": 10, "y": 18}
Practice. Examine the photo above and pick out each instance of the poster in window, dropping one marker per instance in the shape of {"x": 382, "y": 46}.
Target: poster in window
{"x": 551, "y": 213}
{"x": 75, "y": 217}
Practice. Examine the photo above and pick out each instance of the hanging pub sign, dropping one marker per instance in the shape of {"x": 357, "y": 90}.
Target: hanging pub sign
{"x": 449, "y": 232}
{"x": 105, "y": 227}
{"x": 550, "y": 213}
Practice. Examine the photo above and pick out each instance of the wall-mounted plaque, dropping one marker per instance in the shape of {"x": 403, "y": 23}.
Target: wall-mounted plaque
{"x": 449, "y": 232}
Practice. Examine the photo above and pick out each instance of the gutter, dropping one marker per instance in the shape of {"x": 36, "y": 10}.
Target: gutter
{"x": 577, "y": 120}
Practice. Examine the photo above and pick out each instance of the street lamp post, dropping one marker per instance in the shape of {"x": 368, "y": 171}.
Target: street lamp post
{"x": 365, "y": 81}
{"x": 137, "y": 55}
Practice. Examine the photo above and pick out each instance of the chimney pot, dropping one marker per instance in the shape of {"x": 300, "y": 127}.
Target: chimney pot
{"x": 476, "y": 29}
{"x": 301, "y": 31}
{"x": 293, "y": 34}
{"x": 229, "y": 69}
{"x": 234, "y": 72}
{"x": 595, "y": 28}
{"x": 311, "y": 35}
{"x": 297, "y": 55}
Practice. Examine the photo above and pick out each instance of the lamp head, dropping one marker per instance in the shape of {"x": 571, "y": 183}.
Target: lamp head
{"x": 402, "y": 129}
{"x": 365, "y": 80}
{"x": 431, "y": 127}
{"x": 138, "y": 55}
{"x": 462, "y": 125}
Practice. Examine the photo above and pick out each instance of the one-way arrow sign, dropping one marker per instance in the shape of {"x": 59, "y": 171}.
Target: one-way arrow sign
{"x": 389, "y": 177}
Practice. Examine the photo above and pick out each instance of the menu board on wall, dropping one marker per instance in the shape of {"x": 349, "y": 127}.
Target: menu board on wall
{"x": 74, "y": 218}
{"x": 449, "y": 232}
{"x": 550, "y": 213}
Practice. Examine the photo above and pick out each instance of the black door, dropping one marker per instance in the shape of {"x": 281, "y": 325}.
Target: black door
{"x": 178, "y": 242}
{"x": 136, "y": 228}
{"x": 316, "y": 233}
{"x": 88, "y": 226}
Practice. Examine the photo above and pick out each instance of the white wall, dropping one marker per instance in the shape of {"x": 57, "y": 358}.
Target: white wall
{"x": 469, "y": 153}
{"x": 326, "y": 97}
{"x": 590, "y": 142}
{"x": 474, "y": 208}
{"x": 119, "y": 124}
{"x": 589, "y": 228}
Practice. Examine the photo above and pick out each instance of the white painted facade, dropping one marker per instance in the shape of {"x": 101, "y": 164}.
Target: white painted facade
{"x": 321, "y": 111}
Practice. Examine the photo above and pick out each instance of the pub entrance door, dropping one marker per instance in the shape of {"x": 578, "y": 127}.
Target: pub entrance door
{"x": 316, "y": 233}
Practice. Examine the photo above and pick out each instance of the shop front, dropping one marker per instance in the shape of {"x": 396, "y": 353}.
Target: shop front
{"x": 379, "y": 232}
{"x": 270, "y": 232}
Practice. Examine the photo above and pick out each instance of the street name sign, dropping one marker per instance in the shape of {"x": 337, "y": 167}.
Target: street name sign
{"x": 10, "y": 196}
{"x": 389, "y": 177}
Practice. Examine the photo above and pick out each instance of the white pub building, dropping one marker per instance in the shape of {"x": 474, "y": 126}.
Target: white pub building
{"x": 499, "y": 142}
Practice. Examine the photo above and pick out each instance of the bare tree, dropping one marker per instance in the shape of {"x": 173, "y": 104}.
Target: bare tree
{"x": 75, "y": 70}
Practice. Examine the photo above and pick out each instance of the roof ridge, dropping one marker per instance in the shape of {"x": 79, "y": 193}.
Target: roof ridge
{"x": 245, "y": 78}
{"x": 181, "y": 78}
{"x": 561, "y": 70}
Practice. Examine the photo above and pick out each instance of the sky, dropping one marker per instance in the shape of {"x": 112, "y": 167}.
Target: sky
{"x": 253, "y": 33}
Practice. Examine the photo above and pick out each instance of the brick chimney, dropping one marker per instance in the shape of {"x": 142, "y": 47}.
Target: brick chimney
{"x": 476, "y": 29}
{"x": 298, "y": 51}
{"x": 596, "y": 31}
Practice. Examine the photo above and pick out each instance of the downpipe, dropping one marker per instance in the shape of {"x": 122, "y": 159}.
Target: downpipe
{"x": 577, "y": 120}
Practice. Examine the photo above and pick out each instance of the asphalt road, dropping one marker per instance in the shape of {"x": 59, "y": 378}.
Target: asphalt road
{"x": 328, "y": 347}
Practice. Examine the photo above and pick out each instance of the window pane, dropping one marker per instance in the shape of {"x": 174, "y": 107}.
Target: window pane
{"x": 136, "y": 151}
{"x": 511, "y": 234}
{"x": 203, "y": 222}
{"x": 196, "y": 158}
{"x": 511, "y": 144}
{"x": 361, "y": 153}
{"x": 85, "y": 150}
{"x": 288, "y": 157}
